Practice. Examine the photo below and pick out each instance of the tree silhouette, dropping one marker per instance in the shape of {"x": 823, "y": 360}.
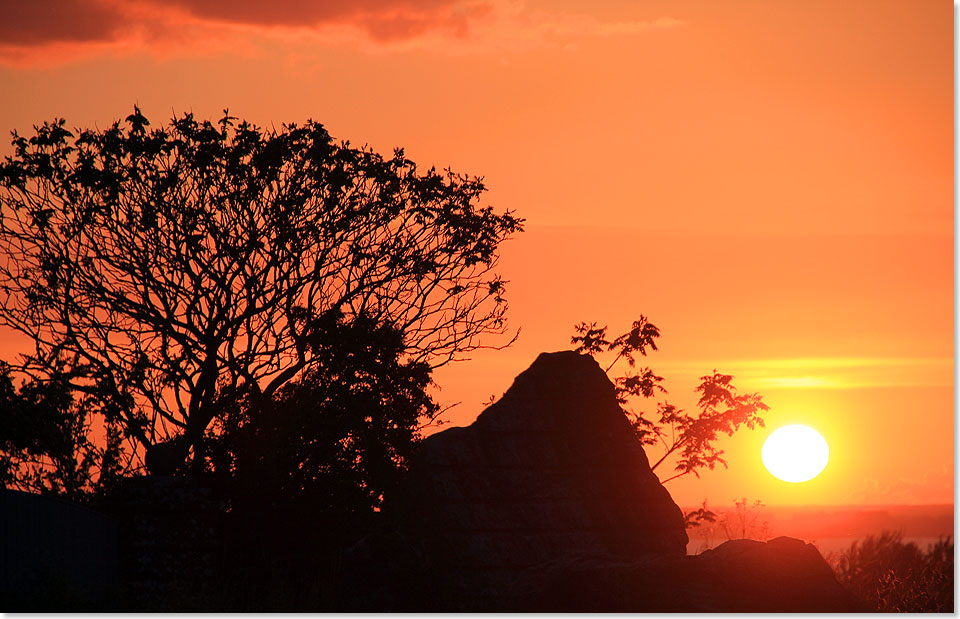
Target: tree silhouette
{"x": 306, "y": 476}
{"x": 338, "y": 437}
{"x": 45, "y": 444}
{"x": 168, "y": 273}
{"x": 686, "y": 438}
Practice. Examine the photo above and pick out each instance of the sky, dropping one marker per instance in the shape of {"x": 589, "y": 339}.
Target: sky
{"x": 770, "y": 183}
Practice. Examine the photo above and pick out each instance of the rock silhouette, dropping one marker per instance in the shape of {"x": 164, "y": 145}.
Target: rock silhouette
{"x": 552, "y": 468}
{"x": 739, "y": 576}
{"x": 547, "y": 503}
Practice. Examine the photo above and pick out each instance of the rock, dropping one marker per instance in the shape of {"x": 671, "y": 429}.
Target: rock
{"x": 782, "y": 575}
{"x": 550, "y": 471}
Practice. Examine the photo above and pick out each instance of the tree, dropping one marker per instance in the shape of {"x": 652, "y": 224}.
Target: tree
{"x": 172, "y": 272}
{"x": 45, "y": 444}
{"x": 306, "y": 476}
{"x": 338, "y": 437}
{"x": 686, "y": 438}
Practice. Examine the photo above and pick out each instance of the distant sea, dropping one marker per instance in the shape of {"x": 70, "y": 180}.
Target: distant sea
{"x": 831, "y": 528}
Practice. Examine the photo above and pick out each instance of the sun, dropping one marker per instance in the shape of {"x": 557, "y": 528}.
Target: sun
{"x": 795, "y": 453}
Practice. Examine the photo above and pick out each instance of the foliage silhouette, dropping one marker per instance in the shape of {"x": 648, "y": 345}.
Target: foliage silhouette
{"x": 742, "y": 521}
{"x": 169, "y": 273}
{"x": 45, "y": 445}
{"x": 702, "y": 516}
{"x": 893, "y": 576}
{"x": 687, "y": 438}
{"x": 338, "y": 437}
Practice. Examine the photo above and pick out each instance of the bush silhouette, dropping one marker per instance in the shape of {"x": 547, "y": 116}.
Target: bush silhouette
{"x": 891, "y": 575}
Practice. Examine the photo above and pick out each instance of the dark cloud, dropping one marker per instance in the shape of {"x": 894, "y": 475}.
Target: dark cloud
{"x": 382, "y": 20}
{"x": 400, "y": 25}
{"x": 30, "y": 23}
{"x": 35, "y": 22}
{"x": 311, "y": 12}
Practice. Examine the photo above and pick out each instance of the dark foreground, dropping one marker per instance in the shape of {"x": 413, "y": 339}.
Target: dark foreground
{"x": 546, "y": 503}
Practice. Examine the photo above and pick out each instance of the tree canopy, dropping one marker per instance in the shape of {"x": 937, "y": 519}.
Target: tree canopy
{"x": 337, "y": 438}
{"x": 45, "y": 440}
{"x": 168, "y": 273}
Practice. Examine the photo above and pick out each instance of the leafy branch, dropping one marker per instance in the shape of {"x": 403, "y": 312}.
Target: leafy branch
{"x": 686, "y": 438}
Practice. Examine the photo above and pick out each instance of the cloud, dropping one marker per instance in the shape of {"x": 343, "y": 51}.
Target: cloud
{"x": 827, "y": 373}
{"x": 479, "y": 28}
{"x": 30, "y": 23}
{"x": 26, "y": 23}
{"x": 930, "y": 487}
{"x": 305, "y": 13}
{"x": 60, "y": 30}
{"x": 797, "y": 382}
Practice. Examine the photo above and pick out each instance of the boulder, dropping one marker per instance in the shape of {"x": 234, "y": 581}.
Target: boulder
{"x": 739, "y": 576}
{"x": 551, "y": 470}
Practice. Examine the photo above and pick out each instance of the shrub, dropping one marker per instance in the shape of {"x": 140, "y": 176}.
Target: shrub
{"x": 895, "y": 576}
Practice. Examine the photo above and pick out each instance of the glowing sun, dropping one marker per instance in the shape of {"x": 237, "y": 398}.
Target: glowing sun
{"x": 795, "y": 453}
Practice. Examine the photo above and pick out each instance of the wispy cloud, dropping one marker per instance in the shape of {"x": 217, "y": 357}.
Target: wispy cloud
{"x": 929, "y": 487}
{"x": 825, "y": 373}
{"x": 52, "y": 31}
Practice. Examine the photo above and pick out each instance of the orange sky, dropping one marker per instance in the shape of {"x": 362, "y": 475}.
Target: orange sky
{"x": 769, "y": 182}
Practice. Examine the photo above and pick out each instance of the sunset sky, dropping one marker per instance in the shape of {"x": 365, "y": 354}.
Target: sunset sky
{"x": 771, "y": 183}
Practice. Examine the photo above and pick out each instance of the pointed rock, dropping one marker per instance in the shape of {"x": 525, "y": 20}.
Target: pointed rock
{"x": 553, "y": 470}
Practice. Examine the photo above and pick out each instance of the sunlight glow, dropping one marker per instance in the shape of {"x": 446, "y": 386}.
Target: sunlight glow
{"x": 795, "y": 453}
